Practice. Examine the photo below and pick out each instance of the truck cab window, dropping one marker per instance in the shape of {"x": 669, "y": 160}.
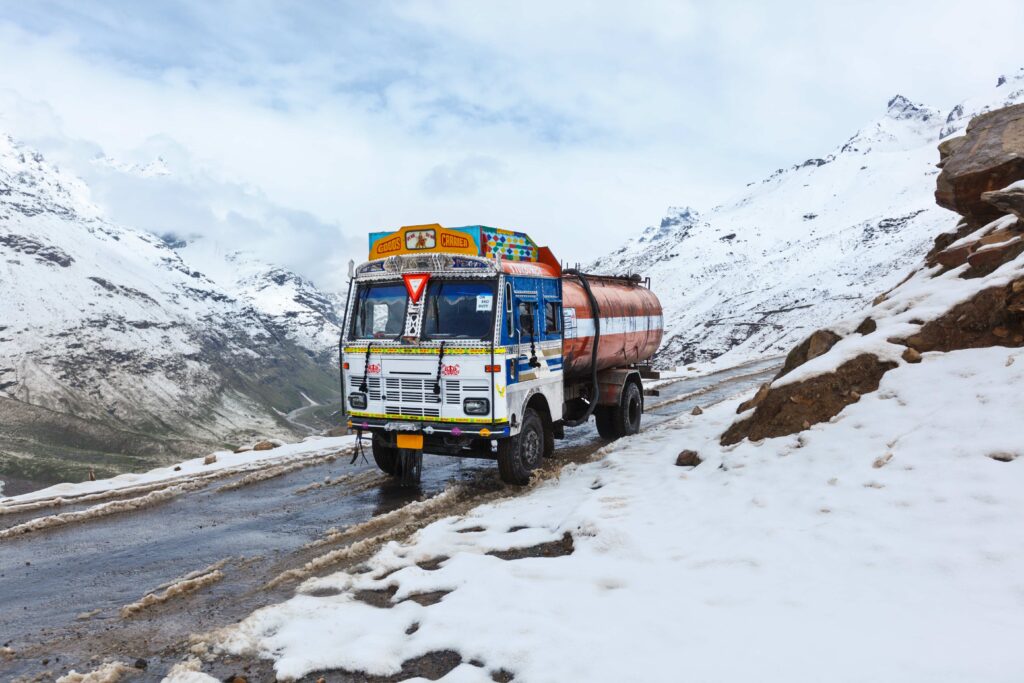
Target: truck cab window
{"x": 379, "y": 312}
{"x": 552, "y": 317}
{"x": 525, "y": 318}
{"x": 458, "y": 310}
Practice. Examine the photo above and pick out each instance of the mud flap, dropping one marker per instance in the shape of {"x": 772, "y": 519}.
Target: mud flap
{"x": 410, "y": 466}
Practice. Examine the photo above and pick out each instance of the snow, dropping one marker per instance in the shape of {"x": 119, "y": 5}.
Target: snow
{"x": 184, "y": 471}
{"x": 883, "y": 545}
{"x": 807, "y": 245}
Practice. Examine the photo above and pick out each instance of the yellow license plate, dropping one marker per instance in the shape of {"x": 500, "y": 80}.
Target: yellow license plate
{"x": 413, "y": 441}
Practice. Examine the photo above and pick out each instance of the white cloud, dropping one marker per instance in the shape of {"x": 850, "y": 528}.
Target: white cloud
{"x": 578, "y": 122}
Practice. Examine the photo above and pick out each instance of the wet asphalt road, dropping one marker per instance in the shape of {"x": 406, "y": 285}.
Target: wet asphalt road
{"x": 51, "y": 579}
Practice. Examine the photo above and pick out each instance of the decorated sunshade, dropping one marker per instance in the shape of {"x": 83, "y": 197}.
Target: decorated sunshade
{"x": 471, "y": 240}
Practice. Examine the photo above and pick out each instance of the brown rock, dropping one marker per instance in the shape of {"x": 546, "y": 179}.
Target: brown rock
{"x": 1001, "y": 332}
{"x": 990, "y": 158}
{"x": 947, "y": 147}
{"x": 867, "y": 326}
{"x": 812, "y": 347}
{"x": 963, "y": 229}
{"x": 972, "y": 323}
{"x": 264, "y": 446}
{"x": 818, "y": 399}
{"x": 912, "y": 355}
{"x": 1007, "y": 200}
{"x": 957, "y": 256}
{"x": 338, "y": 431}
{"x": 762, "y": 392}
{"x": 688, "y": 458}
{"x": 696, "y": 411}
{"x": 987, "y": 259}
{"x": 210, "y": 459}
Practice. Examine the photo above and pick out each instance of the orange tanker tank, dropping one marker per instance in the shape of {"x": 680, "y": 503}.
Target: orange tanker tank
{"x": 631, "y": 323}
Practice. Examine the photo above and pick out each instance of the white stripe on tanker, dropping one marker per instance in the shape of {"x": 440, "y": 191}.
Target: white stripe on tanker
{"x": 584, "y": 327}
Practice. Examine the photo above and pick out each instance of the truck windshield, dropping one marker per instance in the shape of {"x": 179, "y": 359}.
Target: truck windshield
{"x": 458, "y": 310}
{"x": 379, "y": 311}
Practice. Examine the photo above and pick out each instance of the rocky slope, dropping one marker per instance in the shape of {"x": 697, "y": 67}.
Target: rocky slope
{"x": 807, "y": 245}
{"x": 967, "y": 293}
{"x": 117, "y": 353}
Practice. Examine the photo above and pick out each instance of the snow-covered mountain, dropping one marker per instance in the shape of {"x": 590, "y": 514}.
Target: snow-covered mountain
{"x": 808, "y": 244}
{"x": 117, "y": 350}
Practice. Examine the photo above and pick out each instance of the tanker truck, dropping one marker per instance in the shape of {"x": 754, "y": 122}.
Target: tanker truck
{"x": 475, "y": 342}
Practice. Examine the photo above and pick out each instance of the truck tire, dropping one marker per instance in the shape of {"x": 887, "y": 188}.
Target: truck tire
{"x": 603, "y": 420}
{"x": 386, "y": 457}
{"x": 615, "y": 422}
{"x": 521, "y": 454}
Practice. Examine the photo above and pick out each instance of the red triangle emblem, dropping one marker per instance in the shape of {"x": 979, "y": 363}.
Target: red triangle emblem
{"x": 415, "y": 283}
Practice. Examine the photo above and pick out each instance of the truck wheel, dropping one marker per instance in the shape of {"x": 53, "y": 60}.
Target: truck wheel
{"x": 605, "y": 425}
{"x": 386, "y": 458}
{"x": 615, "y": 422}
{"x": 521, "y": 454}
{"x": 410, "y": 466}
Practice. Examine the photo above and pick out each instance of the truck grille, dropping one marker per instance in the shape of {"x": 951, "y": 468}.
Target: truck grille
{"x": 455, "y": 390}
{"x": 406, "y": 390}
{"x": 415, "y": 397}
{"x": 372, "y": 386}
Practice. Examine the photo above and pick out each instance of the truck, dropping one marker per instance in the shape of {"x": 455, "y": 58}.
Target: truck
{"x": 475, "y": 342}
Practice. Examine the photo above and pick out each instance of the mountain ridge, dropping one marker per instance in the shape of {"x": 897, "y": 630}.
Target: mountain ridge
{"x": 805, "y": 245}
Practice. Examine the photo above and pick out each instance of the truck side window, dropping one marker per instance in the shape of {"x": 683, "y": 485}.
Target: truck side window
{"x": 527, "y": 325}
{"x": 552, "y": 317}
{"x": 508, "y": 307}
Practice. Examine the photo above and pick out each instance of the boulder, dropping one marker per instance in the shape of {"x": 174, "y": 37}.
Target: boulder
{"x": 210, "y": 459}
{"x": 696, "y": 411}
{"x": 688, "y": 458}
{"x": 762, "y": 392}
{"x": 990, "y": 158}
{"x": 817, "y": 344}
{"x": 264, "y": 446}
{"x": 912, "y": 355}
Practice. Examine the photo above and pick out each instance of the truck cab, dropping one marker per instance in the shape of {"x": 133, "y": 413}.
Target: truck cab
{"x": 453, "y": 344}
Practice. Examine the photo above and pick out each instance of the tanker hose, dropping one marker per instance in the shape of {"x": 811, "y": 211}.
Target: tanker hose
{"x": 595, "y": 390}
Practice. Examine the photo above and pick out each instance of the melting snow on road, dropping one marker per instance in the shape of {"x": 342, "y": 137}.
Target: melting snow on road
{"x": 884, "y": 545}
{"x": 224, "y": 460}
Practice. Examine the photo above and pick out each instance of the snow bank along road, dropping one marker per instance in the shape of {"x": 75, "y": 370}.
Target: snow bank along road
{"x": 171, "y": 558}
{"x": 882, "y": 545}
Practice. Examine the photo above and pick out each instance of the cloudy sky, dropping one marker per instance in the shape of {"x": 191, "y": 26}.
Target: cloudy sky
{"x": 292, "y": 129}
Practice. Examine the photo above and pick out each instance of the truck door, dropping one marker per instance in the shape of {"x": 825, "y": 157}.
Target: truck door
{"x": 523, "y": 325}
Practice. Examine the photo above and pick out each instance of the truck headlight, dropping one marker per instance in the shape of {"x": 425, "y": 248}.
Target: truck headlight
{"x": 476, "y": 406}
{"x": 357, "y": 400}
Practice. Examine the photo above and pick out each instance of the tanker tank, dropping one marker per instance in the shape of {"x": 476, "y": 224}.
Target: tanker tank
{"x": 631, "y": 323}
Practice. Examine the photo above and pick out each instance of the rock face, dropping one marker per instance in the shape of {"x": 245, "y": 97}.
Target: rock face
{"x": 990, "y": 158}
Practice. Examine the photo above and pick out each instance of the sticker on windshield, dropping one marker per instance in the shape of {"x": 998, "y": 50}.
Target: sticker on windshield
{"x": 484, "y": 302}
